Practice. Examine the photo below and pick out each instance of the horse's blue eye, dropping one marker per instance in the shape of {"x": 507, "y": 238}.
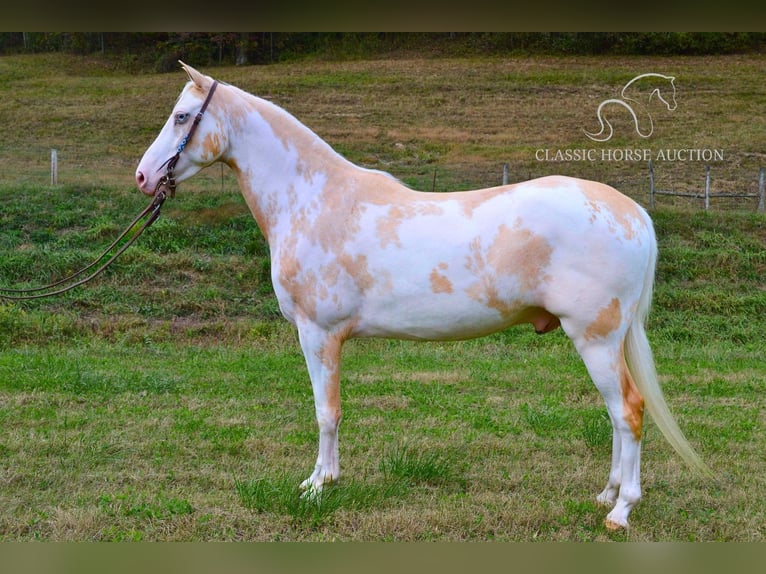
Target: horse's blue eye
{"x": 181, "y": 117}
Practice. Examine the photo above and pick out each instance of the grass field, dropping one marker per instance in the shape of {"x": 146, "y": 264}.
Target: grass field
{"x": 168, "y": 400}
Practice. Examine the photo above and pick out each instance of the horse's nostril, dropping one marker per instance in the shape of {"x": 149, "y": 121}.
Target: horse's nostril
{"x": 140, "y": 178}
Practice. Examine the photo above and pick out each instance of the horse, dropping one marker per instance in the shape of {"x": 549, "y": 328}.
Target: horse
{"x": 356, "y": 253}
{"x": 631, "y": 100}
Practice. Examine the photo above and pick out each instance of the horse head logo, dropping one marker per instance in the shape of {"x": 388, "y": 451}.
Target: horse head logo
{"x": 634, "y": 93}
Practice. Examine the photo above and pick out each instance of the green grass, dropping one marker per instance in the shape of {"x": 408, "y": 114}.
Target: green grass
{"x": 168, "y": 401}
{"x": 407, "y": 464}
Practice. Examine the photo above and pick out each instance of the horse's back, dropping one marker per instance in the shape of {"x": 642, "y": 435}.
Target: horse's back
{"x": 575, "y": 222}
{"x": 464, "y": 264}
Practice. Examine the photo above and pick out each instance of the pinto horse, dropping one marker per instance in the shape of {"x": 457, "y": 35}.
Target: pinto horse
{"x": 355, "y": 253}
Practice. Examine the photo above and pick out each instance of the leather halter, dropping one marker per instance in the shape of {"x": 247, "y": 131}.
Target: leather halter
{"x": 168, "y": 180}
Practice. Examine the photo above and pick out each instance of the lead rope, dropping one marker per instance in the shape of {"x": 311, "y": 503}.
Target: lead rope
{"x": 153, "y": 210}
{"x": 166, "y": 181}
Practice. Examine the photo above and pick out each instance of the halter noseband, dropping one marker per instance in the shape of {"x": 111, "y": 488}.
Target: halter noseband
{"x": 168, "y": 180}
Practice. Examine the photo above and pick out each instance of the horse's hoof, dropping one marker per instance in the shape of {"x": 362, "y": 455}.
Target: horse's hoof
{"x": 311, "y": 490}
{"x": 614, "y": 526}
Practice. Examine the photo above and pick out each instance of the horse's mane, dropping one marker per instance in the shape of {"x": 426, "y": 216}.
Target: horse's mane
{"x": 268, "y": 108}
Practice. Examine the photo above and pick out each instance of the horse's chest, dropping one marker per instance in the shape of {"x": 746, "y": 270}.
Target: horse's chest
{"x": 317, "y": 285}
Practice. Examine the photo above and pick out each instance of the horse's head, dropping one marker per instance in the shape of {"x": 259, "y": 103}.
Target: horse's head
{"x": 192, "y": 138}
{"x": 655, "y": 85}
{"x": 670, "y": 94}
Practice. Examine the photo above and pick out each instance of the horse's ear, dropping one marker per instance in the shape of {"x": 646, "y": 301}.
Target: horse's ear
{"x": 200, "y": 80}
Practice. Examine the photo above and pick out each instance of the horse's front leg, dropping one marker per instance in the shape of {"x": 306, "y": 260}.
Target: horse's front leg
{"x": 322, "y": 350}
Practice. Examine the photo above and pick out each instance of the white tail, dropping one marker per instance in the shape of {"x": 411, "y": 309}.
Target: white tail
{"x": 640, "y": 360}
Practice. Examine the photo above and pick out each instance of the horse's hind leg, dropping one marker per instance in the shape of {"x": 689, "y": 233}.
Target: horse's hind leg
{"x": 606, "y": 365}
{"x": 608, "y": 496}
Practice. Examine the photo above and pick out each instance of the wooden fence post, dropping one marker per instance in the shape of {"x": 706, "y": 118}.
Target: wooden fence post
{"x": 505, "y": 174}
{"x": 54, "y": 167}
{"x": 761, "y": 191}
{"x": 651, "y": 185}
{"x": 707, "y": 187}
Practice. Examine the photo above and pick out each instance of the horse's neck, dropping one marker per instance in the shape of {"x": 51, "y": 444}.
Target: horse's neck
{"x": 282, "y": 166}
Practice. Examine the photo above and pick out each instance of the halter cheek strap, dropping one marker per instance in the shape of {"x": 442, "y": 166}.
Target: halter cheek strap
{"x": 168, "y": 180}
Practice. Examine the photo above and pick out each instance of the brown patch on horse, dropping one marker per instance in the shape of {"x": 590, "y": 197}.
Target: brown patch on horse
{"x": 632, "y": 401}
{"x": 387, "y": 227}
{"x": 330, "y": 357}
{"x": 440, "y": 283}
{"x": 212, "y": 146}
{"x": 608, "y": 319}
{"x": 624, "y": 212}
{"x": 515, "y": 252}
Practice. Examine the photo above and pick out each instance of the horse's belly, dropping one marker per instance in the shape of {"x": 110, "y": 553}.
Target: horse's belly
{"x": 436, "y": 318}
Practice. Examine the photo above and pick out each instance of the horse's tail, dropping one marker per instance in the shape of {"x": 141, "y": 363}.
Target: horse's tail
{"x": 638, "y": 355}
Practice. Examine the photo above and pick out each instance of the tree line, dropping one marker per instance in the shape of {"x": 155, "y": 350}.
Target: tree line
{"x": 158, "y": 51}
